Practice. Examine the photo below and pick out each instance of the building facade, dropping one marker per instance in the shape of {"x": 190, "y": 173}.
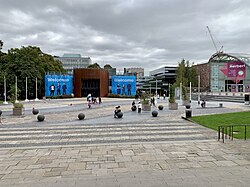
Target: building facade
{"x": 160, "y": 79}
{"x": 203, "y": 70}
{"x": 134, "y": 71}
{"x": 91, "y": 81}
{"x": 229, "y": 72}
{"x": 74, "y": 61}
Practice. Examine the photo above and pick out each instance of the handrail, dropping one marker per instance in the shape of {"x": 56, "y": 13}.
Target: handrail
{"x": 227, "y": 130}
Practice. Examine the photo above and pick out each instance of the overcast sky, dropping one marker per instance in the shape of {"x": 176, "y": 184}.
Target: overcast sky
{"x": 125, "y": 33}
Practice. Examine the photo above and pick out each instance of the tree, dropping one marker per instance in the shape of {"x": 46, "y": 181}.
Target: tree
{"x": 94, "y": 66}
{"x": 28, "y": 62}
{"x": 186, "y": 73}
{"x": 181, "y": 73}
{"x": 107, "y": 66}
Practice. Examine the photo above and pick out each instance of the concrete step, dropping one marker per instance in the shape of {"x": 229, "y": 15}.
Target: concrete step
{"x": 222, "y": 98}
{"x": 101, "y": 134}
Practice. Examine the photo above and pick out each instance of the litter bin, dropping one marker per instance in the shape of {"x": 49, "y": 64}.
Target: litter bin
{"x": 247, "y": 99}
{"x": 188, "y": 113}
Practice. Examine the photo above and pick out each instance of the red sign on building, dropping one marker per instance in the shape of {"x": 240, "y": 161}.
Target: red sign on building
{"x": 234, "y": 70}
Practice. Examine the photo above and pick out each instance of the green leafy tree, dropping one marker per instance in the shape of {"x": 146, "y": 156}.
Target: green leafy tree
{"x": 107, "y": 66}
{"x": 171, "y": 93}
{"x": 94, "y": 66}
{"x": 29, "y": 62}
{"x": 12, "y": 93}
{"x": 186, "y": 73}
{"x": 184, "y": 93}
{"x": 181, "y": 73}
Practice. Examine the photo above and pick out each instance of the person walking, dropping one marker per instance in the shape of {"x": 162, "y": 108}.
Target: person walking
{"x": 139, "y": 107}
{"x": 89, "y": 103}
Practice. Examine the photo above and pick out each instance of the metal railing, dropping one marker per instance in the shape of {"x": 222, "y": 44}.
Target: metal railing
{"x": 227, "y": 131}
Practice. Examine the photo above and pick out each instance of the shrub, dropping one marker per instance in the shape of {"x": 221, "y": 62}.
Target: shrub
{"x": 171, "y": 94}
{"x": 18, "y": 105}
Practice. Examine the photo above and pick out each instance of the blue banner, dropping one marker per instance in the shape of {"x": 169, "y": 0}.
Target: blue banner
{"x": 58, "y": 85}
{"x": 124, "y": 85}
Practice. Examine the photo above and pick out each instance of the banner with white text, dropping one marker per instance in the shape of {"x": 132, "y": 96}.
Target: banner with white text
{"x": 124, "y": 85}
{"x": 56, "y": 85}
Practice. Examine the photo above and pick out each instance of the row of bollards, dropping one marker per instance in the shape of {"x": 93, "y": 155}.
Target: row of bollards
{"x": 81, "y": 116}
{"x": 40, "y": 117}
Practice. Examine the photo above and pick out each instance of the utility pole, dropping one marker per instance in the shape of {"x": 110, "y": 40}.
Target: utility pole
{"x": 190, "y": 91}
{"x": 199, "y": 85}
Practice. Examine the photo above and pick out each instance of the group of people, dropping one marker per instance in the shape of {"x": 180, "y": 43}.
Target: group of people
{"x": 93, "y": 100}
{"x": 139, "y": 106}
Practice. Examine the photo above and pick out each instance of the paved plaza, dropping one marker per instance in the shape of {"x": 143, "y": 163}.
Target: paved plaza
{"x": 137, "y": 150}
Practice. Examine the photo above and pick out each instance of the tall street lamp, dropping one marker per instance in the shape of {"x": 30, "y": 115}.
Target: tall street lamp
{"x": 5, "y": 92}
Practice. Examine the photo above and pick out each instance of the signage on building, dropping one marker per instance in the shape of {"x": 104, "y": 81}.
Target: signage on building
{"x": 56, "y": 85}
{"x": 234, "y": 70}
{"x": 124, "y": 85}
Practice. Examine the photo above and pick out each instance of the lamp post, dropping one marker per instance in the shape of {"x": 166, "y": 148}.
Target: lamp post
{"x": 26, "y": 89}
{"x": 16, "y": 101}
{"x": 5, "y": 94}
{"x": 180, "y": 91}
{"x": 190, "y": 91}
{"x": 156, "y": 87}
{"x": 199, "y": 85}
{"x": 36, "y": 99}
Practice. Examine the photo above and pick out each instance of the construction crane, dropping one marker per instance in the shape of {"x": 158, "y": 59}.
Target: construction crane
{"x": 214, "y": 42}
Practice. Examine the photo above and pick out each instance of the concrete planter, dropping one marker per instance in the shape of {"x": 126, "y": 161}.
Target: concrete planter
{"x": 18, "y": 111}
{"x": 146, "y": 107}
{"x": 173, "y": 106}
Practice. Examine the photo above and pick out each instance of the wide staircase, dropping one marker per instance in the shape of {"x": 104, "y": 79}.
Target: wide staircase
{"x": 221, "y": 98}
{"x": 79, "y": 133}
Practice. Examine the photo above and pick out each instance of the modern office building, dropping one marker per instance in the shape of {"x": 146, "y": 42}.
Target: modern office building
{"x": 160, "y": 79}
{"x": 136, "y": 71}
{"x": 74, "y": 61}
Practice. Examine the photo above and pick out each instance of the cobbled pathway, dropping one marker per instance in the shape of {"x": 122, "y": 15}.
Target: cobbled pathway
{"x": 137, "y": 150}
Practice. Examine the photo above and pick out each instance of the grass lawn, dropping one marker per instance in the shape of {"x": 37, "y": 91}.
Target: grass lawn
{"x": 213, "y": 121}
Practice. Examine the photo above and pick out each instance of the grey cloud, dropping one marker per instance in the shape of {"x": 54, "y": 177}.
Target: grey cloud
{"x": 127, "y": 33}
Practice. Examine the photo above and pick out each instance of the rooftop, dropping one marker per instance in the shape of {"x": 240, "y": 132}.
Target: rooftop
{"x": 69, "y": 55}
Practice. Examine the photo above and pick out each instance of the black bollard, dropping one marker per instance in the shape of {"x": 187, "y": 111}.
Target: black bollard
{"x": 119, "y": 114}
{"x": 35, "y": 111}
{"x": 154, "y": 113}
{"x": 133, "y": 108}
{"x": 40, "y": 118}
{"x": 81, "y": 116}
{"x": 160, "y": 107}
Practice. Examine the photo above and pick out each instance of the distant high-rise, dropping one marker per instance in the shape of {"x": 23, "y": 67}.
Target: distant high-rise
{"x": 136, "y": 71}
{"x": 74, "y": 61}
